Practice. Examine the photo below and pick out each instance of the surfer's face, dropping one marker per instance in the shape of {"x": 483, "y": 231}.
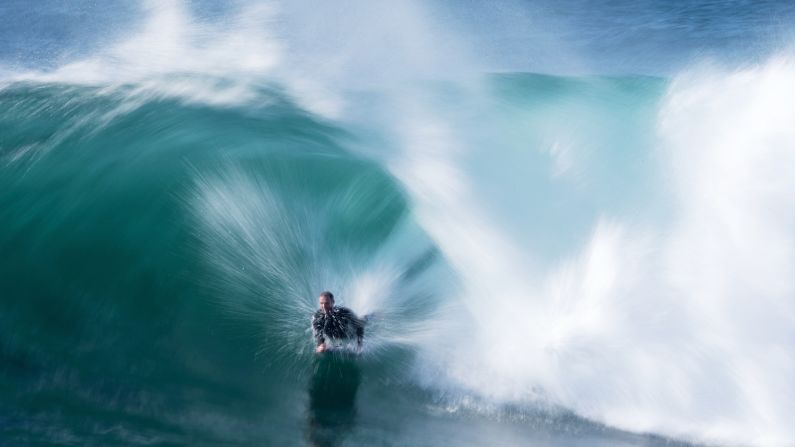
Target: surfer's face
{"x": 326, "y": 304}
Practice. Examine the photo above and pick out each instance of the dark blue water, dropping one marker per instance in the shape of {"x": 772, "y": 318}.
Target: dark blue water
{"x": 649, "y": 37}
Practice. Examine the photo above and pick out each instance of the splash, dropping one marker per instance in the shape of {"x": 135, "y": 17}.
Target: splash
{"x": 682, "y": 326}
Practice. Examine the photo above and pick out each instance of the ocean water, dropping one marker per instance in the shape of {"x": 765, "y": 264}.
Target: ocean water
{"x": 571, "y": 223}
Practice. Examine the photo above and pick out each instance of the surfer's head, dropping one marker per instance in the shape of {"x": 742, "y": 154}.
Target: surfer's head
{"x": 326, "y": 300}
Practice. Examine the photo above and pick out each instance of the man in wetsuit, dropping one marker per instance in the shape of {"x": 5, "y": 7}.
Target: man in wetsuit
{"x": 335, "y": 322}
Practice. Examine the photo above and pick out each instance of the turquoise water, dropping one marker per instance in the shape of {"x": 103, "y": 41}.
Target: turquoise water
{"x": 556, "y": 249}
{"x": 166, "y": 258}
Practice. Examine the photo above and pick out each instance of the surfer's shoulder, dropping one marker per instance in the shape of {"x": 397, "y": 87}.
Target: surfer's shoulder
{"x": 343, "y": 310}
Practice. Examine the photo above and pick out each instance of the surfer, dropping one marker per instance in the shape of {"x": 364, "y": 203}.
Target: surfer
{"x": 335, "y": 322}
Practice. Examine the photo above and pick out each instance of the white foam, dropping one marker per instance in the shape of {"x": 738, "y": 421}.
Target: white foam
{"x": 174, "y": 54}
{"x": 683, "y": 329}
{"x": 313, "y": 50}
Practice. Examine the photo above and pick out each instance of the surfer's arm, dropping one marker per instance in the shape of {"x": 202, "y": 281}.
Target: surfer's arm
{"x": 317, "y": 331}
{"x": 351, "y": 320}
{"x": 359, "y": 325}
{"x": 359, "y": 333}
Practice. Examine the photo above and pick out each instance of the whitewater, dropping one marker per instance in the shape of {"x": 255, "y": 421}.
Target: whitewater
{"x": 557, "y": 249}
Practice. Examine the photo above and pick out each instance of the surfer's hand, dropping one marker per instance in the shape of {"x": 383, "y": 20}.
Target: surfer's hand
{"x": 321, "y": 347}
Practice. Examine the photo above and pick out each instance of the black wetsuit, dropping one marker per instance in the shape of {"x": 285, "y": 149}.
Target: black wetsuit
{"x": 340, "y": 323}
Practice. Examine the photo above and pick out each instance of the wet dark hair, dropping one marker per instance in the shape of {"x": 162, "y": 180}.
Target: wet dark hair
{"x": 328, "y": 295}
